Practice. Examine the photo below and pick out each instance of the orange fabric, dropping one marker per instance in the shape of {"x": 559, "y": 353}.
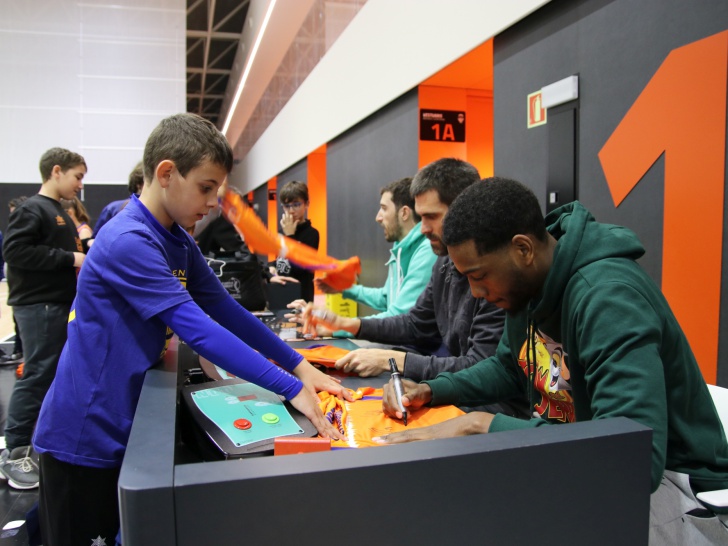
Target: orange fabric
{"x": 693, "y": 140}
{"x": 326, "y": 355}
{"x": 363, "y": 419}
{"x": 340, "y": 274}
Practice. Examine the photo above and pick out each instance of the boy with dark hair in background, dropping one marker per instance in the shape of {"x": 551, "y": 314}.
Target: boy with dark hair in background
{"x": 144, "y": 280}
{"x": 43, "y": 252}
{"x": 294, "y": 224}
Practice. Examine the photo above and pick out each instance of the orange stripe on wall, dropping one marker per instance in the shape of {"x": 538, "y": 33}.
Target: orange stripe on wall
{"x": 317, "y": 212}
{"x": 273, "y": 210}
{"x": 682, "y": 113}
{"x": 464, "y": 85}
{"x": 479, "y": 138}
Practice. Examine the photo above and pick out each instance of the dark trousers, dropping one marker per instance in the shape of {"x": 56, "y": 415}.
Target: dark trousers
{"x": 43, "y": 327}
{"x": 18, "y": 345}
{"x": 77, "y": 504}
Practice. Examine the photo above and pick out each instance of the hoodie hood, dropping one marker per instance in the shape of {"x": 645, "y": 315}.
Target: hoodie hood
{"x": 581, "y": 241}
{"x": 407, "y": 244}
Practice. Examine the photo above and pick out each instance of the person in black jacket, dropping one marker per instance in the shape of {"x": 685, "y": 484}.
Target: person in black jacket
{"x": 294, "y": 224}
{"x": 43, "y": 253}
{"x": 16, "y": 357}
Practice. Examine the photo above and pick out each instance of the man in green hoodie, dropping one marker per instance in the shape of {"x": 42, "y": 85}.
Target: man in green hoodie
{"x": 411, "y": 258}
{"x": 588, "y": 335}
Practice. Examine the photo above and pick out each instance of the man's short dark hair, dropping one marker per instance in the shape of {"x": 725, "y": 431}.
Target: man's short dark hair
{"x": 294, "y": 190}
{"x": 65, "y": 159}
{"x": 189, "y": 140}
{"x": 491, "y": 213}
{"x": 448, "y": 176}
{"x": 136, "y": 179}
{"x": 401, "y": 195}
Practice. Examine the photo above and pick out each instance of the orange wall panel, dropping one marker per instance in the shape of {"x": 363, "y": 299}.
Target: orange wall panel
{"x": 273, "y": 210}
{"x": 479, "y": 136}
{"x": 464, "y": 85}
{"x": 317, "y": 212}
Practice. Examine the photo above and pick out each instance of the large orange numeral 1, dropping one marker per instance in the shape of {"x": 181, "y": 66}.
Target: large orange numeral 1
{"x": 682, "y": 112}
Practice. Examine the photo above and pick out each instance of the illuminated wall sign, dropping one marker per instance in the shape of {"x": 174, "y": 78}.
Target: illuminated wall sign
{"x": 442, "y": 125}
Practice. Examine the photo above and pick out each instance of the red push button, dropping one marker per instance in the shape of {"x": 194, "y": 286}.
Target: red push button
{"x": 242, "y": 424}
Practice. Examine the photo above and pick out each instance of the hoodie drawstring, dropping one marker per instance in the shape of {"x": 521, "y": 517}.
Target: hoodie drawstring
{"x": 530, "y": 359}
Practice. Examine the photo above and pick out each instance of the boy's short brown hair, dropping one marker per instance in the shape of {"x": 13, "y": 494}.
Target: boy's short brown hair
{"x": 293, "y": 190}
{"x": 65, "y": 159}
{"x": 188, "y": 140}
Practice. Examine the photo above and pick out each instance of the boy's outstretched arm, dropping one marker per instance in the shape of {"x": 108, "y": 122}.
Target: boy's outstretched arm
{"x": 235, "y": 318}
{"x": 220, "y": 346}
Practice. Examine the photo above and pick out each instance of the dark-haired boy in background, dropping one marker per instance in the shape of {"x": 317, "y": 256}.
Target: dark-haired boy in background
{"x": 43, "y": 252}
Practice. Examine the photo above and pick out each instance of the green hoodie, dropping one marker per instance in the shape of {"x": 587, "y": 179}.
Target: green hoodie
{"x": 606, "y": 345}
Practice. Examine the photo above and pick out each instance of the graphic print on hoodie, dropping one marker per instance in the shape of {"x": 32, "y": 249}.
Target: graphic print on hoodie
{"x": 550, "y": 377}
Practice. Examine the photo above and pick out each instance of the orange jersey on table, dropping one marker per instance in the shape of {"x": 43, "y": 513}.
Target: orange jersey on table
{"x": 340, "y": 274}
{"x": 363, "y": 419}
{"x": 326, "y": 355}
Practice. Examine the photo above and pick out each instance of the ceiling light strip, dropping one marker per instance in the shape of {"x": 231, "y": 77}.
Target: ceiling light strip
{"x": 248, "y": 66}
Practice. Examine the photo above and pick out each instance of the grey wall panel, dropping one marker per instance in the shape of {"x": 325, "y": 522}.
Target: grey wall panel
{"x": 10, "y": 191}
{"x": 260, "y": 198}
{"x": 97, "y": 196}
{"x": 615, "y": 46}
{"x": 377, "y": 151}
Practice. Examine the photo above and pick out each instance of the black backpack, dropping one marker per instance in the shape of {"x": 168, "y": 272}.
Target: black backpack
{"x": 242, "y": 276}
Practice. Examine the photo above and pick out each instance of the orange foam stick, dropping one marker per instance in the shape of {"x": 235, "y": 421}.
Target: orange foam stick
{"x": 340, "y": 274}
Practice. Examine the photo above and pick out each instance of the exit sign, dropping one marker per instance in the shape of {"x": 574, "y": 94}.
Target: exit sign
{"x": 442, "y": 125}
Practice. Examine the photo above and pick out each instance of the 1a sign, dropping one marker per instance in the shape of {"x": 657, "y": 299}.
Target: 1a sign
{"x": 442, "y": 125}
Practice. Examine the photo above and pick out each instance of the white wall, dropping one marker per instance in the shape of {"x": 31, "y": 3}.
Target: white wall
{"x": 389, "y": 48}
{"x": 94, "y": 77}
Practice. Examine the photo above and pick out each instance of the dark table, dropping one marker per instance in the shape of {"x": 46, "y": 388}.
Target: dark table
{"x": 587, "y": 481}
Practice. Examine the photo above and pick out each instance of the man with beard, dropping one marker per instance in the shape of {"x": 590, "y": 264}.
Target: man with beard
{"x": 465, "y": 329}
{"x": 411, "y": 258}
{"x": 588, "y": 336}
